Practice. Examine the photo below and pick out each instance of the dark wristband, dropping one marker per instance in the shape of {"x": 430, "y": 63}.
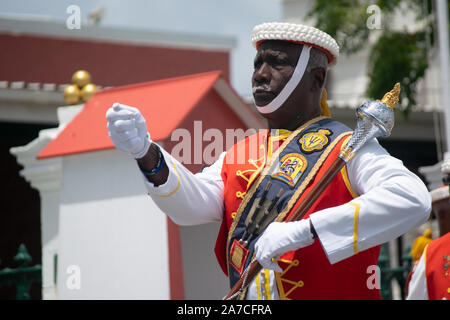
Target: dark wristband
{"x": 158, "y": 167}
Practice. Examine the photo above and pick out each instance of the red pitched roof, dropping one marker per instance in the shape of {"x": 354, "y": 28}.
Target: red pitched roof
{"x": 170, "y": 99}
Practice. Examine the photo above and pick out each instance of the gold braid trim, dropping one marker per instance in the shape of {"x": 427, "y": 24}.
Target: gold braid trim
{"x": 325, "y": 110}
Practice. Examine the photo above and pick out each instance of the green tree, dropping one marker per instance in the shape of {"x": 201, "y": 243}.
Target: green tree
{"x": 395, "y": 56}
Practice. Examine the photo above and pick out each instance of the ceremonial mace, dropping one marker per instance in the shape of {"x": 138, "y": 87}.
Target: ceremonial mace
{"x": 374, "y": 119}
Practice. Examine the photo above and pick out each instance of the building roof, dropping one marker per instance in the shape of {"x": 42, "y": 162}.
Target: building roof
{"x": 49, "y": 52}
{"x": 169, "y": 99}
{"x": 15, "y": 24}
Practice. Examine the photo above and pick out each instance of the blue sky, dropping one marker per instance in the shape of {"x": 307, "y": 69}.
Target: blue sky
{"x": 234, "y": 18}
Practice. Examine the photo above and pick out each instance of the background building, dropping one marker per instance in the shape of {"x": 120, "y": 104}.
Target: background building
{"x": 35, "y": 71}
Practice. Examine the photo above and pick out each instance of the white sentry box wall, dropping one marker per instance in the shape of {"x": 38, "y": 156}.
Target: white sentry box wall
{"x": 111, "y": 233}
{"x": 115, "y": 236}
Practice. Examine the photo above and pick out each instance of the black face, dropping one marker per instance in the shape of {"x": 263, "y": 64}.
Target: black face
{"x": 274, "y": 64}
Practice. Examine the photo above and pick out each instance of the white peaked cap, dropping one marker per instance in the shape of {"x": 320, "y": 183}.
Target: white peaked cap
{"x": 442, "y": 192}
{"x": 439, "y": 193}
{"x": 297, "y": 33}
{"x": 445, "y": 166}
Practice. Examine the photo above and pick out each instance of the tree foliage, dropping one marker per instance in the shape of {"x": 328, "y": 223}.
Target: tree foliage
{"x": 395, "y": 55}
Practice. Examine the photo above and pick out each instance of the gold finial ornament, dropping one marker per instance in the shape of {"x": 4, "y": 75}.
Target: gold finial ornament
{"x": 72, "y": 94}
{"x": 80, "y": 89}
{"x": 81, "y": 78}
{"x": 88, "y": 91}
{"x": 391, "y": 98}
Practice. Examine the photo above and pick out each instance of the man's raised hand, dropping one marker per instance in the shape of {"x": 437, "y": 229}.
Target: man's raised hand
{"x": 127, "y": 130}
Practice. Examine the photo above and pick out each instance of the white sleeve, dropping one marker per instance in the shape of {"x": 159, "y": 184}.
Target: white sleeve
{"x": 392, "y": 201}
{"x": 417, "y": 289}
{"x": 187, "y": 198}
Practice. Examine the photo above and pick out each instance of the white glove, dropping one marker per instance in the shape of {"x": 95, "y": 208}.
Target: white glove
{"x": 127, "y": 130}
{"x": 279, "y": 238}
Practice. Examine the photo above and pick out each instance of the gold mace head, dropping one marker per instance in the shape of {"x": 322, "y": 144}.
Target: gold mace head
{"x": 81, "y": 78}
{"x": 72, "y": 94}
{"x": 390, "y": 99}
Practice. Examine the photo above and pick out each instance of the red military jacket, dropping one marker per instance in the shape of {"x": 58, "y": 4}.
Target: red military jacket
{"x": 437, "y": 268}
{"x": 307, "y": 273}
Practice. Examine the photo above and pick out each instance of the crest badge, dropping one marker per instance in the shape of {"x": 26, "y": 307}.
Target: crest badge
{"x": 315, "y": 141}
{"x": 239, "y": 254}
{"x": 290, "y": 168}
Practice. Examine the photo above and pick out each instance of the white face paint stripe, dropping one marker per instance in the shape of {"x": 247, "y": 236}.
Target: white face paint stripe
{"x": 293, "y": 82}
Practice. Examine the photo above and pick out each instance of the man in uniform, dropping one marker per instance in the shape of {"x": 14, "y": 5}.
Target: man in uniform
{"x": 326, "y": 254}
{"x": 430, "y": 278}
